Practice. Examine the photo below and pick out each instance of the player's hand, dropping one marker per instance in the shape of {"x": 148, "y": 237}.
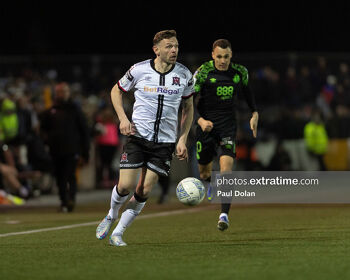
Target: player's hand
{"x": 205, "y": 125}
{"x": 254, "y": 124}
{"x": 127, "y": 128}
{"x": 181, "y": 151}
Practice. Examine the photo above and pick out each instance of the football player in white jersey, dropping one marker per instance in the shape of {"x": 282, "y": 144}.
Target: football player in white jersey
{"x": 160, "y": 85}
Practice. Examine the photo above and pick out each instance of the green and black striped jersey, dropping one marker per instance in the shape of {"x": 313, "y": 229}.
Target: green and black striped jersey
{"x": 218, "y": 92}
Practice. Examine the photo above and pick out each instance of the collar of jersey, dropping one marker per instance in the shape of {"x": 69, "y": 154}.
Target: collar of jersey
{"x": 154, "y": 68}
{"x": 226, "y": 71}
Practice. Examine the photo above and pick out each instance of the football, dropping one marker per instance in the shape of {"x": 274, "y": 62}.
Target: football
{"x": 190, "y": 191}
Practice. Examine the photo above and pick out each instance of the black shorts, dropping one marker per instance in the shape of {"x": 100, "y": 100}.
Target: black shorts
{"x": 139, "y": 152}
{"x": 215, "y": 143}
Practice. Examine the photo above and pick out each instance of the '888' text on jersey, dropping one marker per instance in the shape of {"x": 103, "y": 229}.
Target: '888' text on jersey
{"x": 157, "y": 99}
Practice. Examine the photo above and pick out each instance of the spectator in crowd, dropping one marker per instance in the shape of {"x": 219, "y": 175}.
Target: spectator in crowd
{"x": 66, "y": 132}
{"x": 305, "y": 90}
{"x": 280, "y": 160}
{"x": 316, "y": 138}
{"x": 288, "y": 86}
{"x": 9, "y": 175}
{"x": 291, "y": 84}
{"x": 8, "y": 120}
{"x": 107, "y": 144}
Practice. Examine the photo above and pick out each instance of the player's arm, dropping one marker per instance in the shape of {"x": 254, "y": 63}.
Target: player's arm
{"x": 186, "y": 123}
{"x": 250, "y": 99}
{"x": 125, "y": 126}
{"x": 254, "y": 123}
{"x": 205, "y": 125}
{"x": 255, "y": 115}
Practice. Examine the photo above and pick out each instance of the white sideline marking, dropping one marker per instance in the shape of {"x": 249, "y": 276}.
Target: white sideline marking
{"x": 146, "y": 216}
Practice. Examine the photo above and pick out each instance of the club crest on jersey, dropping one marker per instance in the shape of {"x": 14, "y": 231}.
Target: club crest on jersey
{"x": 236, "y": 79}
{"x": 176, "y": 81}
{"x": 124, "y": 157}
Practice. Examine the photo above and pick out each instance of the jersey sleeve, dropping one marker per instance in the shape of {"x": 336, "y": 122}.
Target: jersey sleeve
{"x": 245, "y": 77}
{"x": 250, "y": 99}
{"x": 189, "y": 89}
{"x": 244, "y": 73}
{"x": 249, "y": 96}
{"x": 197, "y": 89}
{"x": 200, "y": 76}
{"x": 197, "y": 80}
{"x": 128, "y": 81}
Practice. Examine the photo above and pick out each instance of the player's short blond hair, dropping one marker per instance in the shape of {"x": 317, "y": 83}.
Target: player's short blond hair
{"x": 222, "y": 43}
{"x": 165, "y": 34}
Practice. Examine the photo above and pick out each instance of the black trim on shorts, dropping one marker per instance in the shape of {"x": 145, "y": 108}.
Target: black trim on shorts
{"x": 140, "y": 152}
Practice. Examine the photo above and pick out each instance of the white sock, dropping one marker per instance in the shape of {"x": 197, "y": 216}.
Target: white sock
{"x": 222, "y": 215}
{"x": 116, "y": 202}
{"x": 132, "y": 210}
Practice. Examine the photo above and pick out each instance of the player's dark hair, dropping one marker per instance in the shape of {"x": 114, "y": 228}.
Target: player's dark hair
{"x": 222, "y": 43}
{"x": 165, "y": 34}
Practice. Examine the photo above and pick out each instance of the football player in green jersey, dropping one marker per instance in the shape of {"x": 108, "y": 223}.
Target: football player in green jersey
{"x": 217, "y": 84}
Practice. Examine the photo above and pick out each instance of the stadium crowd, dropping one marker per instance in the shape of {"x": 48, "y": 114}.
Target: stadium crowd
{"x": 286, "y": 94}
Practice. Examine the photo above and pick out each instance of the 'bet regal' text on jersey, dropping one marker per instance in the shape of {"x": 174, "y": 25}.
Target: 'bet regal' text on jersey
{"x": 157, "y": 99}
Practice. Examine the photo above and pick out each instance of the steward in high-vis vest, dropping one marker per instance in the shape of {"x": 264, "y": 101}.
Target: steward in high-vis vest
{"x": 8, "y": 120}
{"x": 316, "y": 138}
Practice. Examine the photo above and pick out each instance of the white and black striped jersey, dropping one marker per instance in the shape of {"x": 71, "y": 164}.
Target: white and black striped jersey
{"x": 157, "y": 99}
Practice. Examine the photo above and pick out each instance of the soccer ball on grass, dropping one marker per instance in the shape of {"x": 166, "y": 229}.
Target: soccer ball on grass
{"x": 190, "y": 191}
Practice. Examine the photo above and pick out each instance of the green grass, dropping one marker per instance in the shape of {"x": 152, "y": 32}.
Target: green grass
{"x": 271, "y": 242}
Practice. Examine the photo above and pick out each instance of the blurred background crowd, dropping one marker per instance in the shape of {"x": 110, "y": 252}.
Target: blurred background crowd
{"x": 303, "y": 102}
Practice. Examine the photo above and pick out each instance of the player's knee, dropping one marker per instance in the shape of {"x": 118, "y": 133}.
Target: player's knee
{"x": 226, "y": 164}
{"x": 143, "y": 194}
{"x": 144, "y": 191}
{"x": 204, "y": 175}
{"x": 123, "y": 189}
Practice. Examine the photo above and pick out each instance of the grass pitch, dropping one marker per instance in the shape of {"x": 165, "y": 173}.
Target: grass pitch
{"x": 262, "y": 242}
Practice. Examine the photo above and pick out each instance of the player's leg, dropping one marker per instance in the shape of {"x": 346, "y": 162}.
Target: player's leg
{"x": 205, "y": 176}
{"x": 205, "y": 170}
{"x": 164, "y": 183}
{"x": 118, "y": 197}
{"x": 157, "y": 158}
{"x": 126, "y": 184}
{"x": 226, "y": 165}
{"x": 135, "y": 205}
{"x": 131, "y": 162}
{"x": 205, "y": 152}
{"x": 227, "y": 154}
